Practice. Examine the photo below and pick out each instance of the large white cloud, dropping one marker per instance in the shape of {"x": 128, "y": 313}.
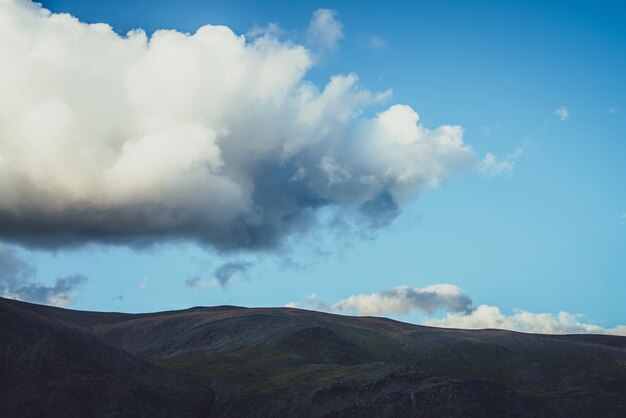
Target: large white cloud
{"x": 205, "y": 136}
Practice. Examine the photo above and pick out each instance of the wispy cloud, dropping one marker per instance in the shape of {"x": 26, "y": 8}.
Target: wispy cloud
{"x": 376, "y": 42}
{"x": 196, "y": 283}
{"x": 272, "y": 29}
{"x": 325, "y": 30}
{"x": 143, "y": 284}
{"x": 622, "y": 219}
{"x": 487, "y": 130}
{"x": 491, "y": 166}
{"x": 562, "y": 113}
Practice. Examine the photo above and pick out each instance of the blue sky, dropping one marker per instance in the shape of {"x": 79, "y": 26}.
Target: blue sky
{"x": 545, "y": 232}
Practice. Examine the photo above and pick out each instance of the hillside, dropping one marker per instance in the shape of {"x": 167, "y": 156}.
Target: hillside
{"x": 231, "y": 361}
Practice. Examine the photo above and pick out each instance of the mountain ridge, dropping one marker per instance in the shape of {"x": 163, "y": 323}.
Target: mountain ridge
{"x": 234, "y": 361}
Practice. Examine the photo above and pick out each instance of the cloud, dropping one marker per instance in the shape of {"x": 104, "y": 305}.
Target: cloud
{"x": 231, "y": 270}
{"x": 324, "y": 29}
{"x": 143, "y": 284}
{"x": 195, "y": 283}
{"x": 613, "y": 110}
{"x": 271, "y": 30}
{"x": 487, "y": 130}
{"x": 491, "y": 166}
{"x": 309, "y": 302}
{"x": 376, "y": 42}
{"x": 404, "y": 299}
{"x": 457, "y": 310}
{"x": 399, "y": 300}
{"x": 486, "y": 316}
{"x": 622, "y": 219}
{"x": 562, "y": 113}
{"x": 17, "y": 281}
{"x": 204, "y": 137}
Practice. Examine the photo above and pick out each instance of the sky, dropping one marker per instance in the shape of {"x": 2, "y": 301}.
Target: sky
{"x": 459, "y": 164}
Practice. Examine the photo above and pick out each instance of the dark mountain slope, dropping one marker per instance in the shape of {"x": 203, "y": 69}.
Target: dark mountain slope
{"x": 52, "y": 367}
{"x": 228, "y": 361}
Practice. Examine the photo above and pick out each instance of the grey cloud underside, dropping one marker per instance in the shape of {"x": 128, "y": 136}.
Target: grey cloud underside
{"x": 430, "y": 301}
{"x": 207, "y": 137}
{"x": 282, "y": 207}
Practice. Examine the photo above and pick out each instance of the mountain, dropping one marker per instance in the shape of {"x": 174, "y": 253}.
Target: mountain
{"x": 262, "y": 362}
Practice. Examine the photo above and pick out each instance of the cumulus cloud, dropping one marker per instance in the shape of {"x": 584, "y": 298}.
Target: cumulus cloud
{"x": 486, "y": 316}
{"x": 231, "y": 270}
{"x": 399, "y": 300}
{"x": 206, "y": 137}
{"x": 17, "y": 281}
{"x": 491, "y": 166}
{"x": 562, "y": 113}
{"x": 325, "y": 30}
{"x": 456, "y": 307}
{"x": 404, "y": 299}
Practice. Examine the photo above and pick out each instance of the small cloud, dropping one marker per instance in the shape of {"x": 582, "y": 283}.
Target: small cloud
{"x": 491, "y": 166}
{"x": 325, "y": 30}
{"x": 613, "y": 110}
{"x": 487, "y": 130}
{"x": 310, "y": 302}
{"x": 376, "y": 42}
{"x": 562, "y": 113}
{"x": 622, "y": 219}
{"x": 143, "y": 284}
{"x": 195, "y": 283}
{"x": 231, "y": 270}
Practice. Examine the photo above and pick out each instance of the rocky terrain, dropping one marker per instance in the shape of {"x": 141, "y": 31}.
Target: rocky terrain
{"x": 262, "y": 362}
